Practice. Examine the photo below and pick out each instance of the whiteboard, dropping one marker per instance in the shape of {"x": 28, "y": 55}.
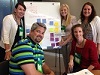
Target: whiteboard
{"x": 47, "y": 13}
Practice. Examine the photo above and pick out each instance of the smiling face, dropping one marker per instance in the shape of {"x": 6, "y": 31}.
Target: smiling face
{"x": 78, "y": 33}
{"x": 87, "y": 10}
{"x": 38, "y": 34}
{"x": 19, "y": 11}
{"x": 64, "y": 11}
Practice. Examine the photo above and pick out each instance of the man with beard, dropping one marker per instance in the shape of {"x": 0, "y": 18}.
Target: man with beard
{"x": 27, "y": 55}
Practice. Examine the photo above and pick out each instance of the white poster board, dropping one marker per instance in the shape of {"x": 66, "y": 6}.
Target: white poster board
{"x": 47, "y": 13}
{"x": 82, "y": 72}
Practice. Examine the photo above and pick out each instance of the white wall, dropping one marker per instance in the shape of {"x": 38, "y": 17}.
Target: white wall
{"x": 76, "y": 5}
{"x": 61, "y": 1}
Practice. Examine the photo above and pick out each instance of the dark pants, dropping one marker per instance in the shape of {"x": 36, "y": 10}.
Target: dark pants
{"x": 65, "y": 52}
{"x": 99, "y": 59}
{"x": 2, "y": 54}
{"x": 76, "y": 67}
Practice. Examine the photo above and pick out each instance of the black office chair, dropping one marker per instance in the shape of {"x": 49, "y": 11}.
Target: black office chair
{"x": 4, "y": 68}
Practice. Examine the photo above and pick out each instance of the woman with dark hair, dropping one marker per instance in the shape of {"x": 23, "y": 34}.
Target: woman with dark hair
{"x": 91, "y": 24}
{"x": 83, "y": 53}
{"x": 12, "y": 31}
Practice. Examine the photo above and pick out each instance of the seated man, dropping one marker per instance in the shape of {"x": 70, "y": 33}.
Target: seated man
{"x": 27, "y": 55}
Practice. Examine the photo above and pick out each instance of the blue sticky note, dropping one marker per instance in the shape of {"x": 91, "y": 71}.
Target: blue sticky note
{"x": 27, "y": 30}
{"x": 39, "y": 20}
{"x": 51, "y": 23}
{"x": 43, "y": 20}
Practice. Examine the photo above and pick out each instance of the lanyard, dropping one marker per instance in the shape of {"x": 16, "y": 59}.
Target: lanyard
{"x": 77, "y": 57}
{"x": 39, "y": 65}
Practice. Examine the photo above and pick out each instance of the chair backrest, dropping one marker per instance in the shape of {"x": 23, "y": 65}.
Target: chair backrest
{"x": 4, "y": 68}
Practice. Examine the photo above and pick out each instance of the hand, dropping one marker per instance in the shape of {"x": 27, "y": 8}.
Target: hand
{"x": 70, "y": 66}
{"x": 60, "y": 43}
{"x": 8, "y": 55}
{"x": 52, "y": 73}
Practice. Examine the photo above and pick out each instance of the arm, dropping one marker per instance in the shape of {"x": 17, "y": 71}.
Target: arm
{"x": 64, "y": 42}
{"x": 5, "y": 36}
{"x": 30, "y": 69}
{"x": 69, "y": 37}
{"x": 7, "y": 52}
{"x": 90, "y": 67}
{"x": 47, "y": 70}
{"x": 71, "y": 63}
{"x": 71, "y": 58}
{"x": 74, "y": 20}
{"x": 93, "y": 56}
{"x": 98, "y": 47}
{"x": 97, "y": 26}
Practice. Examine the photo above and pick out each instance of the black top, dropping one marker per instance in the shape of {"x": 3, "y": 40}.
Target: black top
{"x": 19, "y": 35}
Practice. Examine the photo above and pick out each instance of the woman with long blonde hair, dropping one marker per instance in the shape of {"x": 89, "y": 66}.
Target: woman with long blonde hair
{"x": 67, "y": 21}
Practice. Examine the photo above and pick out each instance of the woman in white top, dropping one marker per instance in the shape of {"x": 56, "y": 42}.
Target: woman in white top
{"x": 12, "y": 31}
{"x": 67, "y": 21}
{"x": 91, "y": 24}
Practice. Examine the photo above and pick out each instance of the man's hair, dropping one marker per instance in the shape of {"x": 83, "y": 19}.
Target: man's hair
{"x": 35, "y": 25}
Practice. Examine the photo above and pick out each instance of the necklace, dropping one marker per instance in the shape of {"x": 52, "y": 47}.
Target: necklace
{"x": 81, "y": 45}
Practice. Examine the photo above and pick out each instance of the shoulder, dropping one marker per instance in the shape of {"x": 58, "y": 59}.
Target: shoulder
{"x": 23, "y": 45}
{"x": 24, "y": 42}
{"x": 96, "y": 22}
{"x": 79, "y": 21}
{"x": 73, "y": 17}
{"x": 91, "y": 46}
{"x": 90, "y": 43}
{"x": 96, "y": 18}
{"x": 8, "y": 17}
{"x": 73, "y": 20}
{"x": 73, "y": 42}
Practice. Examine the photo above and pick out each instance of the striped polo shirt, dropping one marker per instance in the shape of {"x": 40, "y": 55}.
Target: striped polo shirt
{"x": 24, "y": 52}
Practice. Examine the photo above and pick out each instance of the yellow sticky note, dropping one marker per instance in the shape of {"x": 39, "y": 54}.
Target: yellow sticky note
{"x": 56, "y": 24}
{"x": 56, "y": 30}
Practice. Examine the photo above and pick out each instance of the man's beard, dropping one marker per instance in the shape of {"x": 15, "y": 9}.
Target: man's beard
{"x": 38, "y": 39}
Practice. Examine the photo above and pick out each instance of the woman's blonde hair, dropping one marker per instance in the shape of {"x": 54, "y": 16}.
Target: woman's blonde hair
{"x": 68, "y": 19}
